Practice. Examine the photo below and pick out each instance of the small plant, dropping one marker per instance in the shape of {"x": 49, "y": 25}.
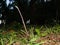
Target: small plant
{"x": 22, "y": 20}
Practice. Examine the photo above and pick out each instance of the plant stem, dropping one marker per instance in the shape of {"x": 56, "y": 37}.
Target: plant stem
{"x": 22, "y": 19}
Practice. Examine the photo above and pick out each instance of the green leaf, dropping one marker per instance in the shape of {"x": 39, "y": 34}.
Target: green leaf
{"x": 32, "y": 40}
{"x": 38, "y": 32}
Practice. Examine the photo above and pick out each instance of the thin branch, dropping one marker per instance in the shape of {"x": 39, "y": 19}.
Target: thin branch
{"x": 22, "y": 19}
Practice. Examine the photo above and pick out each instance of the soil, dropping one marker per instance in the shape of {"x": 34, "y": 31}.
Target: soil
{"x": 51, "y": 39}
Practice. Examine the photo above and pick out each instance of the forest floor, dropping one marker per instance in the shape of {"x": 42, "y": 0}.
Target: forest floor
{"x": 51, "y": 39}
{"x": 37, "y": 35}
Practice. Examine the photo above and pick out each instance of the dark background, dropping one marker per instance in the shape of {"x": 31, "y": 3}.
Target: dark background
{"x": 39, "y": 12}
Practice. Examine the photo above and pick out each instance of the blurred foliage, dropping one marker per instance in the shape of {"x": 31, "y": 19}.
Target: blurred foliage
{"x": 16, "y": 33}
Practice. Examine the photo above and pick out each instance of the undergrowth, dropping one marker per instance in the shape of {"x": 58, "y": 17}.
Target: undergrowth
{"x": 17, "y": 36}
